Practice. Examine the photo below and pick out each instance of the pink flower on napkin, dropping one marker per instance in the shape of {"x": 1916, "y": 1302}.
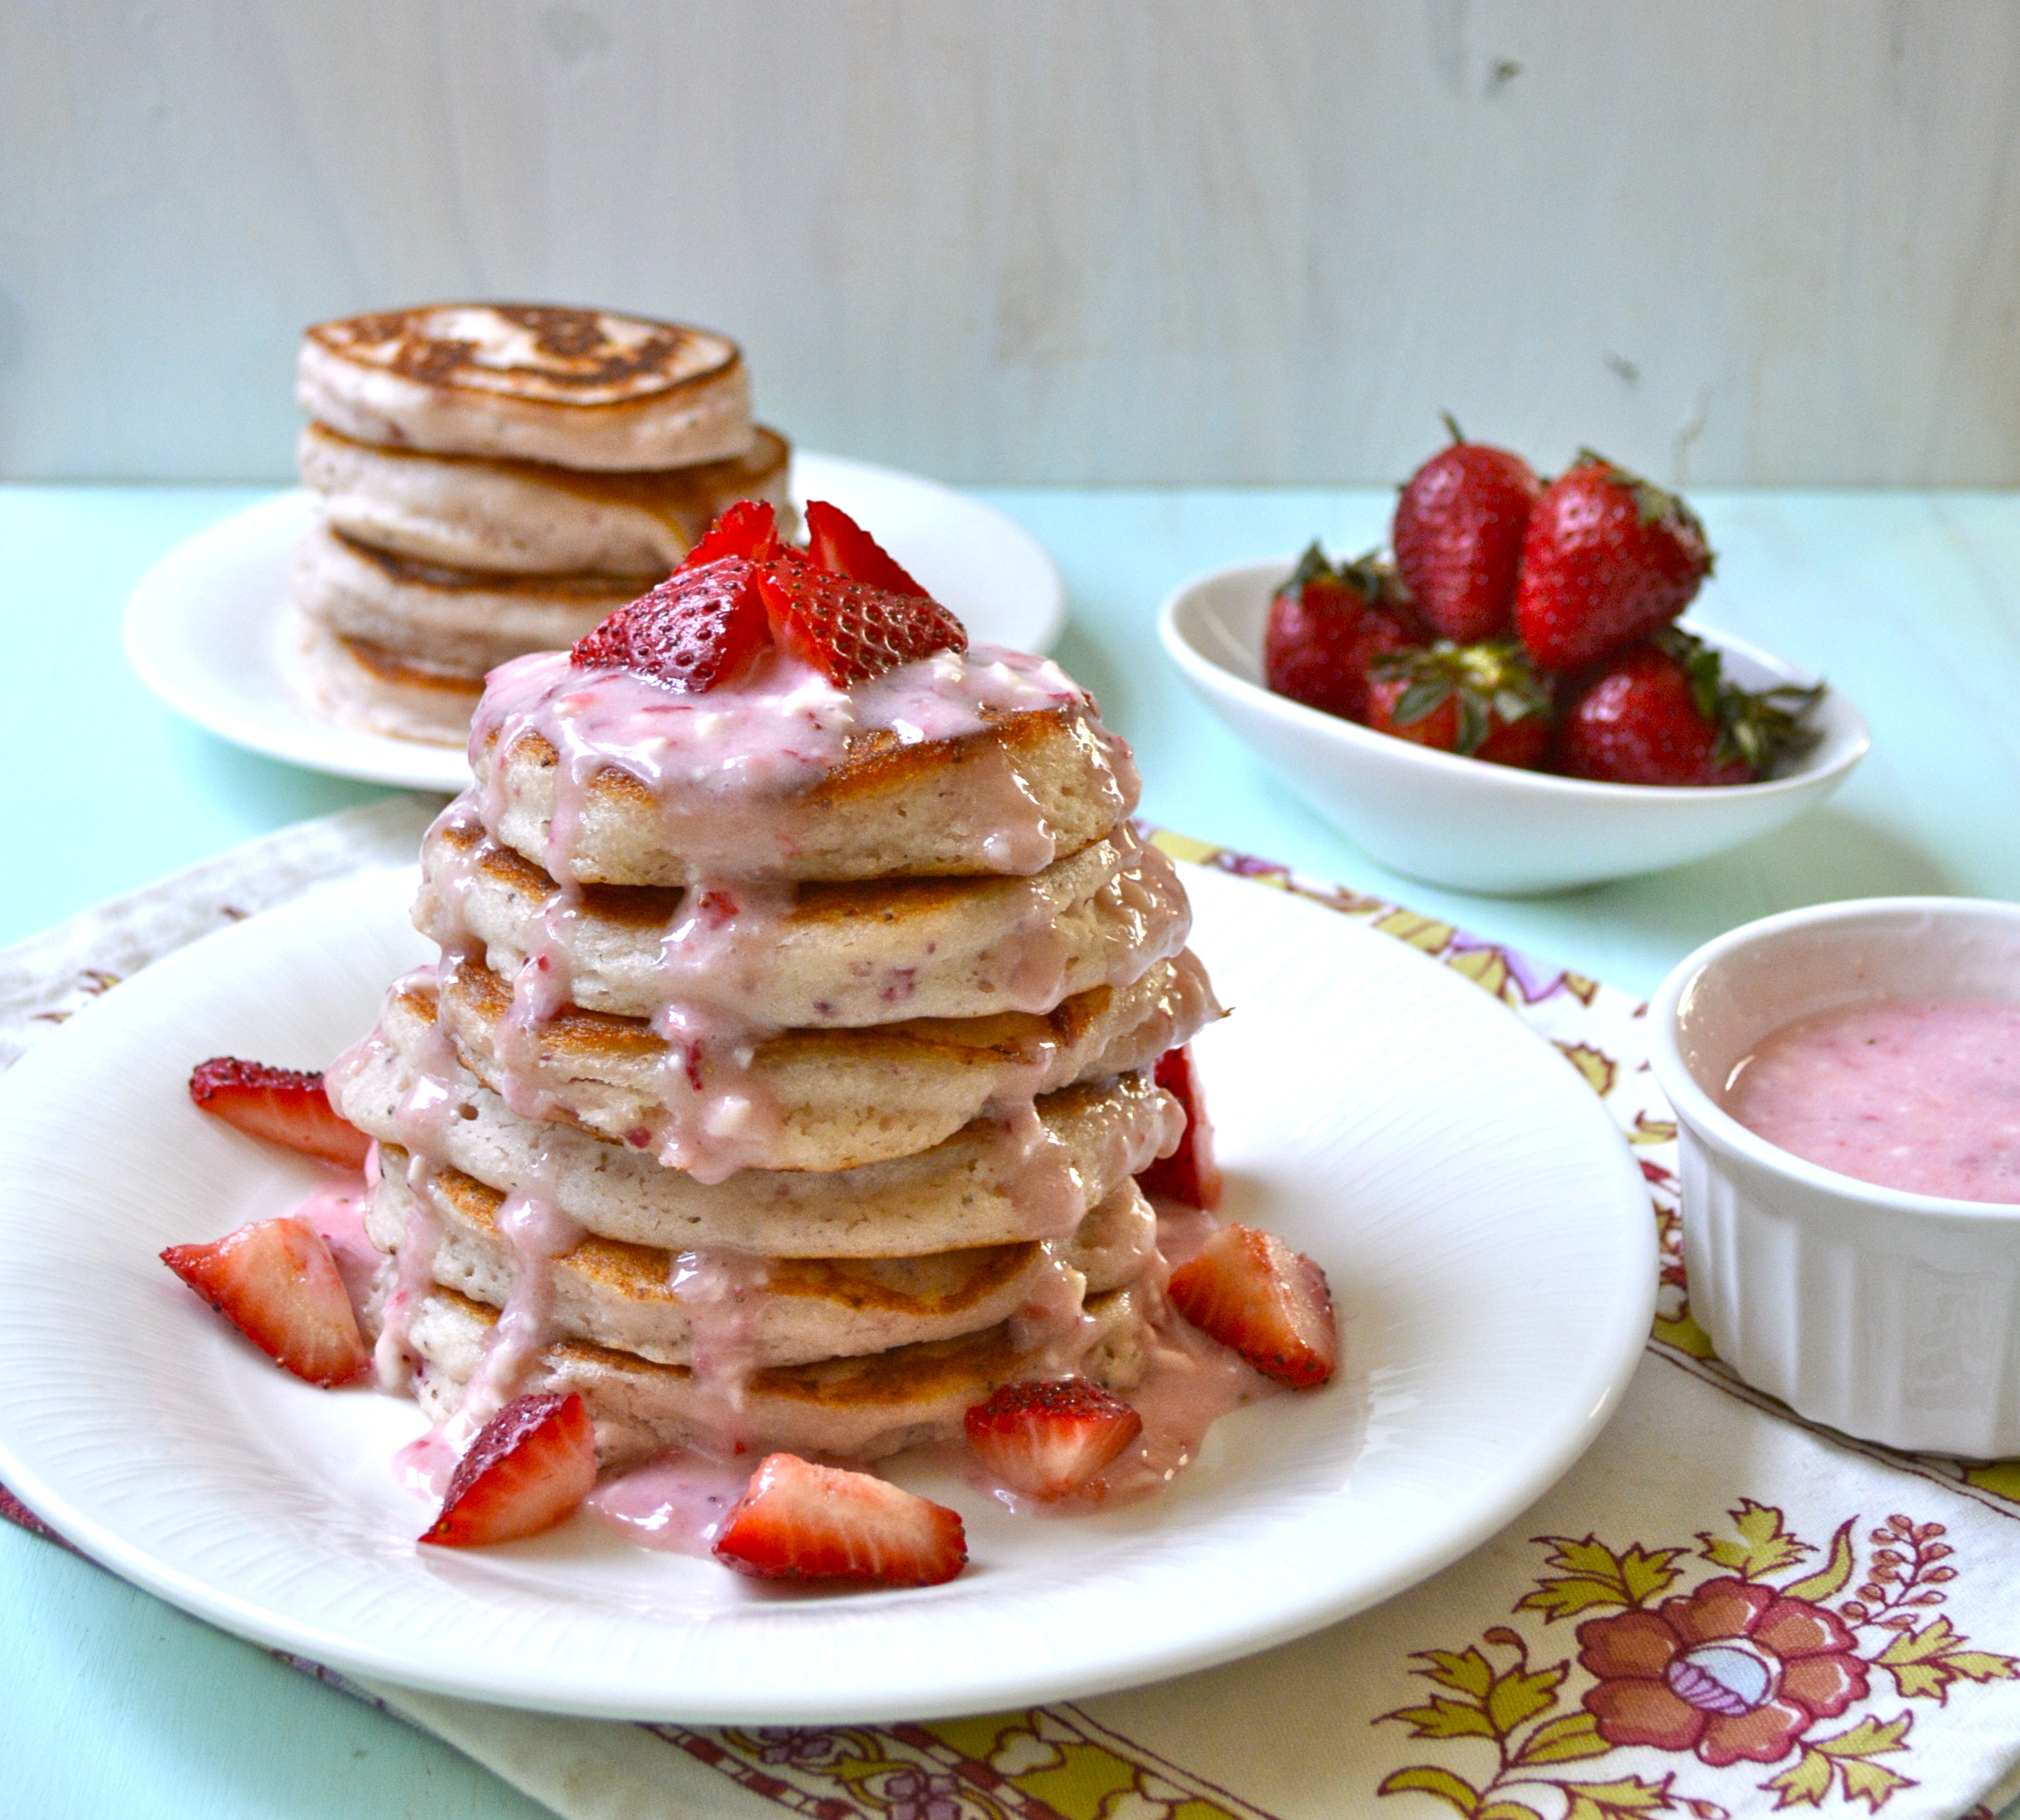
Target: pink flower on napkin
{"x": 1735, "y": 1671}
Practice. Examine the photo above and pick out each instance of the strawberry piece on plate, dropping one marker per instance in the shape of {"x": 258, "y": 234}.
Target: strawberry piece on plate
{"x": 798, "y": 1521}
{"x": 749, "y": 529}
{"x": 283, "y": 1104}
{"x": 1606, "y": 559}
{"x": 699, "y": 628}
{"x": 1460, "y": 522}
{"x": 843, "y": 547}
{"x": 849, "y": 630}
{"x": 1190, "y": 1174}
{"x": 276, "y": 1282}
{"x": 1048, "y": 1437}
{"x": 1247, "y": 1289}
{"x": 531, "y": 1465}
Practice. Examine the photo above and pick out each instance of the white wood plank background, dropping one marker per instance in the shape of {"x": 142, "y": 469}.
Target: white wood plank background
{"x": 1075, "y": 241}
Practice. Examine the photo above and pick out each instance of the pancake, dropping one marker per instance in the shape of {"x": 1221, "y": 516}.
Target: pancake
{"x": 807, "y": 1099}
{"x": 464, "y": 620}
{"x": 866, "y": 952}
{"x": 996, "y": 1181}
{"x": 854, "y": 1409}
{"x": 533, "y": 517}
{"x": 797, "y": 1310}
{"x": 933, "y": 808}
{"x": 378, "y": 690}
{"x": 580, "y": 388}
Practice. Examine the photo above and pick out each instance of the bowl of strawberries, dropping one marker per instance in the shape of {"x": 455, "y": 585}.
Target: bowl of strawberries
{"x": 1509, "y": 702}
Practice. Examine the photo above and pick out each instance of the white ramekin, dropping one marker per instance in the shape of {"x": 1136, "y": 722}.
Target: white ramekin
{"x": 1892, "y": 1316}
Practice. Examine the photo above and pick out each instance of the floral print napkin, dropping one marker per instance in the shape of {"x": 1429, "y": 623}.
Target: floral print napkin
{"x": 1720, "y": 1611}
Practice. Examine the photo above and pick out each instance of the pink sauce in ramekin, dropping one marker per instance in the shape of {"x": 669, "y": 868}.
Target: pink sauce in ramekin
{"x": 1920, "y": 1094}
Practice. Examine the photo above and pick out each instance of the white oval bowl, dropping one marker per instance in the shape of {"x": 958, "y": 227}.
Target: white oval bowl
{"x": 1455, "y": 821}
{"x": 1892, "y": 1315}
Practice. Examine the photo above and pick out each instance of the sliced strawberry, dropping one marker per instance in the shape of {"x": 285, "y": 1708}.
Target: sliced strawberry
{"x": 283, "y": 1104}
{"x": 1190, "y": 1174}
{"x": 803, "y": 1522}
{"x": 1048, "y": 1437}
{"x": 275, "y": 1281}
{"x": 699, "y": 628}
{"x": 843, "y": 547}
{"x": 1251, "y": 1292}
{"x": 849, "y": 630}
{"x": 528, "y": 1468}
{"x": 749, "y": 529}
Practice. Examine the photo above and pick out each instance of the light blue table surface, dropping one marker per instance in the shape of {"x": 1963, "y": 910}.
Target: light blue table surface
{"x": 111, "y": 1704}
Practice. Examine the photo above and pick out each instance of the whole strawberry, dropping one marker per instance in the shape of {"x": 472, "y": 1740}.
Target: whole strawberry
{"x": 1480, "y": 701}
{"x": 1327, "y": 624}
{"x": 1608, "y": 557}
{"x": 1662, "y": 713}
{"x": 1458, "y": 534}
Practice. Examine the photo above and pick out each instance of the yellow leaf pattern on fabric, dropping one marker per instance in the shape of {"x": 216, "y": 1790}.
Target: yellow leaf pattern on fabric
{"x": 1593, "y": 1576}
{"x": 1763, "y": 1546}
{"x": 1183, "y": 847}
{"x": 1565, "y": 1740}
{"x": 1465, "y": 1671}
{"x": 2002, "y": 1477}
{"x": 1423, "y": 933}
{"x": 1924, "y": 1662}
{"x": 1598, "y": 1070}
{"x": 1487, "y": 968}
{"x": 1685, "y": 1335}
{"x": 1519, "y": 1694}
{"x": 1615, "y": 1800}
{"x": 1830, "y": 1578}
{"x": 1425, "y": 1780}
{"x": 1804, "y": 1785}
{"x": 1444, "y": 1719}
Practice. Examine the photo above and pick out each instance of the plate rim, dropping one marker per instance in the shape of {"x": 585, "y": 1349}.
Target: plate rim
{"x": 1607, "y": 1366}
{"x": 157, "y": 649}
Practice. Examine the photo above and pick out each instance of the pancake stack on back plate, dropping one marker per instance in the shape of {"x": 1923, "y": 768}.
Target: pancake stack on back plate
{"x": 494, "y": 479}
{"x": 787, "y": 1065}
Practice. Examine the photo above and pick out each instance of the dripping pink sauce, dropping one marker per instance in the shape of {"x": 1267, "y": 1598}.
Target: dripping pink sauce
{"x": 1920, "y": 1095}
{"x": 728, "y": 769}
{"x": 676, "y": 1502}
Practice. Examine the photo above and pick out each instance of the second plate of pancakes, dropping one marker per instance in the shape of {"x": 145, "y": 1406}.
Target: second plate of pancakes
{"x": 1487, "y": 1234}
{"x": 209, "y": 629}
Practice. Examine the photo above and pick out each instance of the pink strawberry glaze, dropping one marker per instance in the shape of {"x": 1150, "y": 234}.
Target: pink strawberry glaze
{"x": 676, "y": 1502}
{"x": 1920, "y": 1095}
{"x": 727, "y": 768}
{"x": 336, "y": 1210}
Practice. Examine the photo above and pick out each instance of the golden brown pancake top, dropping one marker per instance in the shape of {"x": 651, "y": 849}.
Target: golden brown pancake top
{"x": 537, "y": 352}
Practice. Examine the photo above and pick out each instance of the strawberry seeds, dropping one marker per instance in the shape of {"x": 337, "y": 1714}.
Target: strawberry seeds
{"x": 1532, "y": 625}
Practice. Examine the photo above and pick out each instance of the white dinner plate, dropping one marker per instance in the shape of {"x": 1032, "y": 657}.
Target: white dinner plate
{"x": 1487, "y": 1236}
{"x": 205, "y": 629}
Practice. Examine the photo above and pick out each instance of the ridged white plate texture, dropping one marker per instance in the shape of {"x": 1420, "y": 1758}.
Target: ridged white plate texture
{"x": 1486, "y": 1232}
{"x": 206, "y": 629}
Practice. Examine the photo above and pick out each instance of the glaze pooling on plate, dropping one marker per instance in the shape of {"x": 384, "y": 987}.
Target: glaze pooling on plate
{"x": 1485, "y": 1346}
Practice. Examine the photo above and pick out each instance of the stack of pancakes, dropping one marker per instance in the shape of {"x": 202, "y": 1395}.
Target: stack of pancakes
{"x": 496, "y": 479}
{"x": 810, "y": 1155}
